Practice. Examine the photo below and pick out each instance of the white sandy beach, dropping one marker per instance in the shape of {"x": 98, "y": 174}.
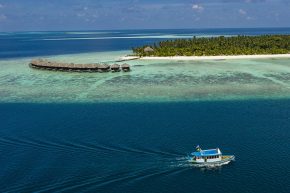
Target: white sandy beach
{"x": 208, "y": 57}
{"x": 217, "y": 57}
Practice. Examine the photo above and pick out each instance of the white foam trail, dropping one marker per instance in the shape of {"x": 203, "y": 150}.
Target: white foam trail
{"x": 212, "y": 166}
{"x": 108, "y": 38}
{"x": 210, "y": 35}
{"x": 183, "y": 162}
{"x": 169, "y": 36}
{"x": 89, "y": 33}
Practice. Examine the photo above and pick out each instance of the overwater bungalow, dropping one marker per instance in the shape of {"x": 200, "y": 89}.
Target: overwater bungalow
{"x": 115, "y": 68}
{"x": 125, "y": 67}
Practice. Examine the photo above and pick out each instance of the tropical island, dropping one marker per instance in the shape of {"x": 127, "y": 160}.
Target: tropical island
{"x": 264, "y": 45}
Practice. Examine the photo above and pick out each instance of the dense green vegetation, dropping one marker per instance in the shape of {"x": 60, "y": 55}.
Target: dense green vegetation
{"x": 238, "y": 45}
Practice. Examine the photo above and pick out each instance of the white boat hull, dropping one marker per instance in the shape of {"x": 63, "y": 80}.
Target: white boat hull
{"x": 225, "y": 160}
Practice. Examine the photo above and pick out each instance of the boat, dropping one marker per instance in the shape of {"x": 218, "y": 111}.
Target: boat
{"x": 210, "y": 157}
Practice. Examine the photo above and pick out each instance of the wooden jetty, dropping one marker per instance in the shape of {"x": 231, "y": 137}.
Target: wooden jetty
{"x": 57, "y": 66}
{"x": 103, "y": 68}
{"x": 127, "y": 58}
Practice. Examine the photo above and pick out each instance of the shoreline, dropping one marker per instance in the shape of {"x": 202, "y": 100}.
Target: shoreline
{"x": 269, "y": 56}
{"x": 193, "y": 58}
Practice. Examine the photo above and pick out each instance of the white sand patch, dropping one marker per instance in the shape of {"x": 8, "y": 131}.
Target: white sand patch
{"x": 217, "y": 57}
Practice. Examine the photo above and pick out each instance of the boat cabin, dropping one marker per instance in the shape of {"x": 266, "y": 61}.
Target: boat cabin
{"x": 211, "y": 155}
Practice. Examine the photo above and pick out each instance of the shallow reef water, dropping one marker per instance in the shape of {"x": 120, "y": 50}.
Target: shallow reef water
{"x": 150, "y": 80}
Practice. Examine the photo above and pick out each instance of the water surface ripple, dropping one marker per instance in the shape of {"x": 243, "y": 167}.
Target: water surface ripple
{"x": 142, "y": 147}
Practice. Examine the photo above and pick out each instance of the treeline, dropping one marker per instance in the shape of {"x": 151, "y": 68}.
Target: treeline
{"x": 237, "y": 45}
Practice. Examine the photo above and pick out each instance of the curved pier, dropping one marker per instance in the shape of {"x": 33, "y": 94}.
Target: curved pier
{"x": 57, "y": 66}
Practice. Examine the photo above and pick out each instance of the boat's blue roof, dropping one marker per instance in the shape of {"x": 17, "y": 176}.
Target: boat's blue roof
{"x": 210, "y": 152}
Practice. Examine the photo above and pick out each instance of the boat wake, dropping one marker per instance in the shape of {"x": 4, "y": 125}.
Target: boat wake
{"x": 57, "y": 145}
{"x": 211, "y": 166}
{"x": 184, "y": 162}
{"x": 97, "y": 182}
{"x": 134, "y": 165}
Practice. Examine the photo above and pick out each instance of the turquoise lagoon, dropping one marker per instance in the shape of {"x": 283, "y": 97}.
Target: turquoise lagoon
{"x": 152, "y": 80}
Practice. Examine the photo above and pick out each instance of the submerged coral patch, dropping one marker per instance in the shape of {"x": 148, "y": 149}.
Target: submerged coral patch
{"x": 161, "y": 81}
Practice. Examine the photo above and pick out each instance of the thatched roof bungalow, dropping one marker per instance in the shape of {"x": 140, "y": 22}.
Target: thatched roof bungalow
{"x": 148, "y": 49}
{"x": 125, "y": 67}
{"x": 115, "y": 68}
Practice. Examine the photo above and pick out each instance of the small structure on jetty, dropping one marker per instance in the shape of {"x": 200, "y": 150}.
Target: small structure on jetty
{"x": 125, "y": 67}
{"x": 57, "y": 66}
{"x": 115, "y": 68}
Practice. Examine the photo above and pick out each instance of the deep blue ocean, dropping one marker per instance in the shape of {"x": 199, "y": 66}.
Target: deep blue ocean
{"x": 142, "y": 147}
{"x": 138, "y": 147}
{"x": 31, "y": 44}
